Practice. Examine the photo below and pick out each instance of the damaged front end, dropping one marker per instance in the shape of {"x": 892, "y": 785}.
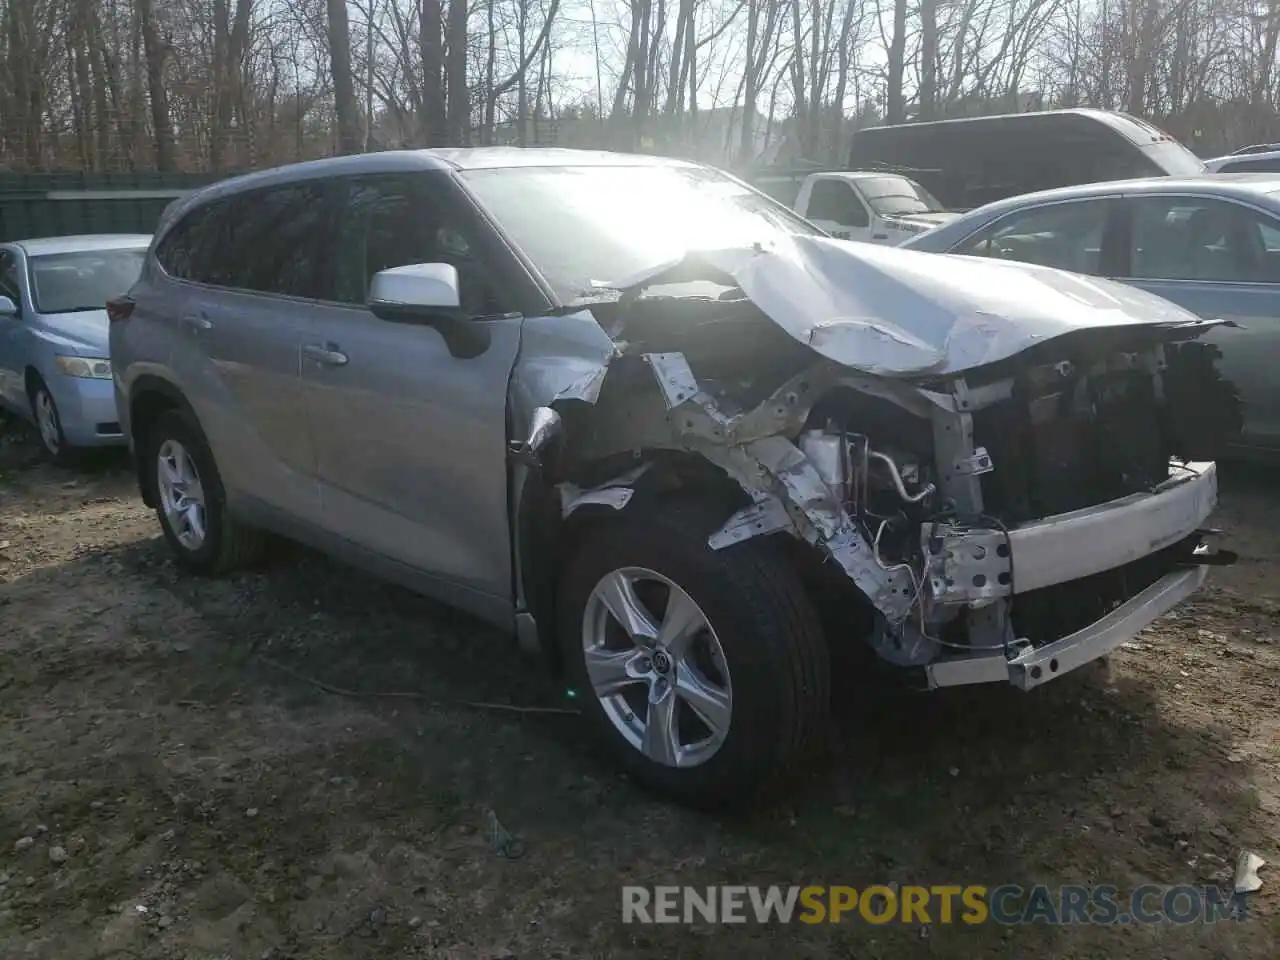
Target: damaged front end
{"x": 1009, "y": 494}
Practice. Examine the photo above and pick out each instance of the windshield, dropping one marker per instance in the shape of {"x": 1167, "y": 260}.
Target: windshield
{"x": 583, "y": 226}
{"x": 85, "y": 280}
{"x": 898, "y": 196}
{"x": 1174, "y": 159}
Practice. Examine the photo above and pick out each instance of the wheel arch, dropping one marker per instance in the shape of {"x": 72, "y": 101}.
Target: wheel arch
{"x": 150, "y": 397}
{"x": 546, "y": 539}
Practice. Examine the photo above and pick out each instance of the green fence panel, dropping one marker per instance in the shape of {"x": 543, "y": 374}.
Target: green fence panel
{"x": 65, "y": 204}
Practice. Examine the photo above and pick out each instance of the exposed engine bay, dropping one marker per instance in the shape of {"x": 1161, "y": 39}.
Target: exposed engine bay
{"x": 983, "y": 514}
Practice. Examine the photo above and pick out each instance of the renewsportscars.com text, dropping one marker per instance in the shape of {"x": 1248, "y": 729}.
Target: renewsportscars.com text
{"x": 1008, "y": 904}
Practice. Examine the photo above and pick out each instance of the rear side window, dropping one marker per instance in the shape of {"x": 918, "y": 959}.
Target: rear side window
{"x": 182, "y": 251}
{"x": 1204, "y": 239}
{"x": 269, "y": 240}
{"x": 266, "y": 241}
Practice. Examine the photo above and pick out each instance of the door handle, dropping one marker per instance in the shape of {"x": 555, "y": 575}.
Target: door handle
{"x": 197, "y": 321}
{"x": 329, "y": 354}
{"x": 879, "y": 236}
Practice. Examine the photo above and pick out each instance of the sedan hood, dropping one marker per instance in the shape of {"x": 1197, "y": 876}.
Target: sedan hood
{"x": 893, "y": 312}
{"x": 87, "y": 331}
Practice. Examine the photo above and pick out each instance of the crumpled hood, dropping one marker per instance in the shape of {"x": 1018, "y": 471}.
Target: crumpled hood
{"x": 894, "y": 312}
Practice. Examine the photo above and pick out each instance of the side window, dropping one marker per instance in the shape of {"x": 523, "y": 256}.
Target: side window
{"x": 183, "y": 251}
{"x": 1190, "y": 238}
{"x": 269, "y": 241}
{"x": 835, "y": 201}
{"x": 1063, "y": 235}
{"x": 393, "y": 221}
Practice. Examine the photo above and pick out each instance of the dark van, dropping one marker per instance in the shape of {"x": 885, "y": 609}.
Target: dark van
{"x": 966, "y": 163}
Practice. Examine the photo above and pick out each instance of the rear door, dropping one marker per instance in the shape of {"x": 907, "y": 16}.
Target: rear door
{"x": 410, "y": 440}
{"x": 1220, "y": 259}
{"x": 240, "y": 326}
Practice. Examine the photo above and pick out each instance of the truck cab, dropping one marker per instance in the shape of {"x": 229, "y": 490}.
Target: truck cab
{"x": 883, "y": 208}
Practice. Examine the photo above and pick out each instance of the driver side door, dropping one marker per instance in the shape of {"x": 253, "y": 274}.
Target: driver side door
{"x": 411, "y": 441}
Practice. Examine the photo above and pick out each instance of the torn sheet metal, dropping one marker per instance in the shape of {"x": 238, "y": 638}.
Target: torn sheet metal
{"x": 616, "y": 493}
{"x": 1245, "y": 878}
{"x": 767, "y": 515}
{"x": 562, "y": 358}
{"x": 699, "y": 414}
{"x": 894, "y": 312}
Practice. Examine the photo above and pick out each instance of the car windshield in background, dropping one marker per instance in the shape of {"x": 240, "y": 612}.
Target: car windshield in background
{"x": 1174, "y": 158}
{"x": 582, "y": 226}
{"x": 898, "y": 196}
{"x": 84, "y": 280}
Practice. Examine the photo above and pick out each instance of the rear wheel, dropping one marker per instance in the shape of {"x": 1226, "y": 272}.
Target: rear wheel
{"x": 191, "y": 503}
{"x": 704, "y": 672}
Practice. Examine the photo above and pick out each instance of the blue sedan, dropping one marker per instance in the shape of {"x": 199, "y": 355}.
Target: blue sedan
{"x": 1210, "y": 244}
{"x": 54, "y": 366}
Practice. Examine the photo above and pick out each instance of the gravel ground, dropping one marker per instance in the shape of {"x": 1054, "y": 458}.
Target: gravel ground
{"x": 176, "y": 781}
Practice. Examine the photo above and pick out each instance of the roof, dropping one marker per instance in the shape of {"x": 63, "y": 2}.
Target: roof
{"x": 1224, "y": 184}
{"x": 458, "y": 158}
{"x": 86, "y": 242}
{"x": 1123, "y": 123}
{"x": 411, "y": 161}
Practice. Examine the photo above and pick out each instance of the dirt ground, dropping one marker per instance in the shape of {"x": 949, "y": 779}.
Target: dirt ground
{"x": 174, "y": 783}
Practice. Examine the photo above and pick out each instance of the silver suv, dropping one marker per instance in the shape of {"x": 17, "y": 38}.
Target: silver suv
{"x": 667, "y": 433}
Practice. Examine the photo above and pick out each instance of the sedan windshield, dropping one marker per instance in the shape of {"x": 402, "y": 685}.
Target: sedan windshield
{"x": 84, "y": 280}
{"x": 898, "y": 196}
{"x": 587, "y": 226}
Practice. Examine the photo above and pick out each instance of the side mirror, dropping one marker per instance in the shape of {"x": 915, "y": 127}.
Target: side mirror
{"x": 7, "y": 307}
{"x": 428, "y": 294}
{"x": 415, "y": 289}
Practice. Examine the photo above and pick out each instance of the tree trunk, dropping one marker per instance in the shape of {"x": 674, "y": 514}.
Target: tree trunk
{"x": 160, "y": 120}
{"x": 928, "y": 58}
{"x": 895, "y": 107}
{"x": 344, "y": 89}
{"x": 459, "y": 132}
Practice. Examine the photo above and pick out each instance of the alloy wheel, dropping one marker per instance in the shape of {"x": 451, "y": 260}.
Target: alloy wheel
{"x": 657, "y": 667}
{"x": 181, "y": 494}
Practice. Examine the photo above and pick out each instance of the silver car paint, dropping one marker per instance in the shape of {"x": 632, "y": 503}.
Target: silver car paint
{"x": 1250, "y": 349}
{"x": 405, "y": 457}
{"x": 410, "y": 444}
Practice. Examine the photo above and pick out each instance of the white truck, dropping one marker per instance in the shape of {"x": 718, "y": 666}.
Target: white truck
{"x": 884, "y": 208}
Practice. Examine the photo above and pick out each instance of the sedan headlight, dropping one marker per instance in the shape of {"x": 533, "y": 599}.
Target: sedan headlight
{"x": 93, "y": 368}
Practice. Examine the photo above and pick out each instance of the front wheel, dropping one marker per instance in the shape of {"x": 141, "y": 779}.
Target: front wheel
{"x": 53, "y": 441}
{"x": 704, "y": 672}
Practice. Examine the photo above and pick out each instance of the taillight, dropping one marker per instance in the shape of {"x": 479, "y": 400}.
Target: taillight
{"x": 121, "y": 308}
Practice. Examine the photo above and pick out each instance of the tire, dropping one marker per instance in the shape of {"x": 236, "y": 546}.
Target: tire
{"x": 767, "y": 630}
{"x": 222, "y": 544}
{"x": 53, "y": 441}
